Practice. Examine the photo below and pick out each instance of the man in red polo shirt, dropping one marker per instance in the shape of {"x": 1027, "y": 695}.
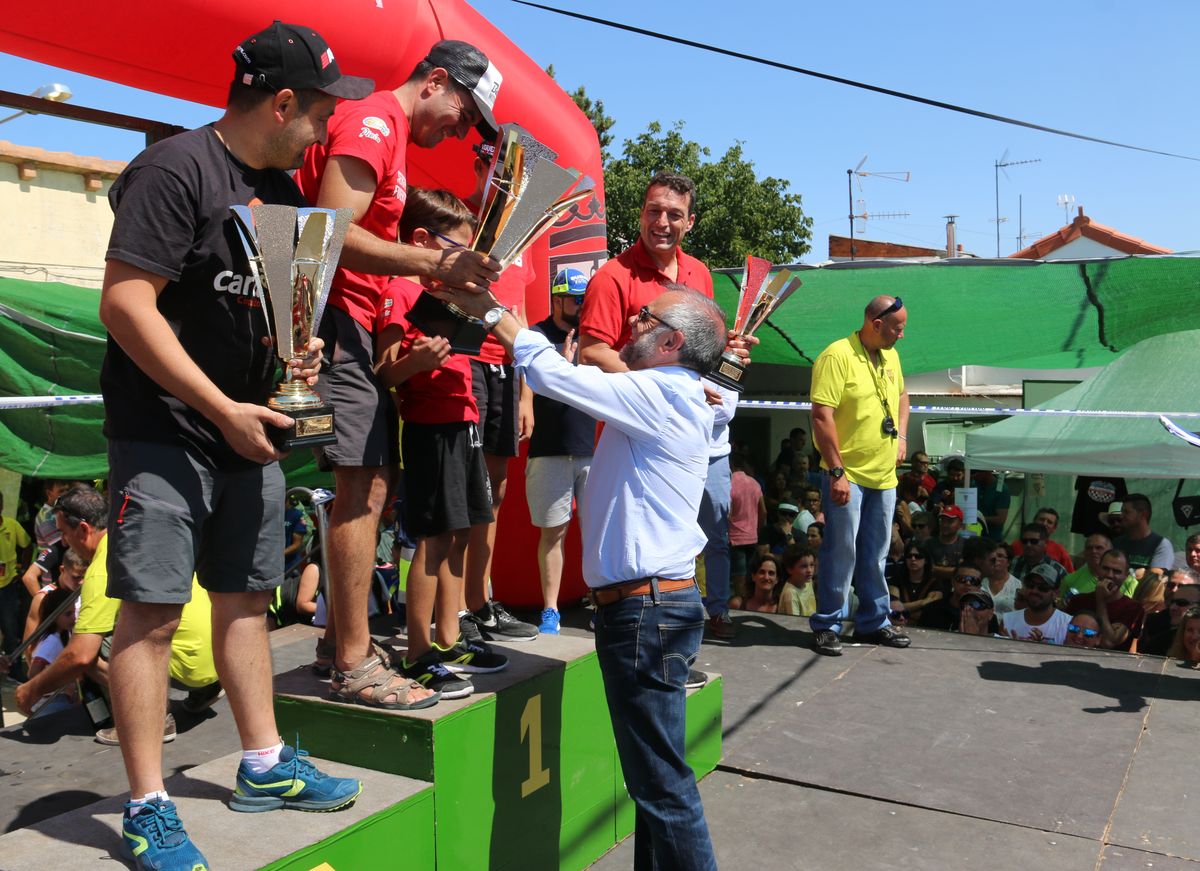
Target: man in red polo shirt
{"x": 617, "y": 293}
{"x": 622, "y": 286}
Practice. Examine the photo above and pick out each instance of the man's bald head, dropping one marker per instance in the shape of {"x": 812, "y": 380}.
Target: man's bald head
{"x": 883, "y": 322}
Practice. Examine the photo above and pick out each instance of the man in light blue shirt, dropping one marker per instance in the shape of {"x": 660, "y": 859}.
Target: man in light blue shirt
{"x": 640, "y": 540}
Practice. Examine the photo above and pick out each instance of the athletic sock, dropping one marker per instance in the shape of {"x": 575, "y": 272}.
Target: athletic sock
{"x": 140, "y": 803}
{"x": 261, "y": 761}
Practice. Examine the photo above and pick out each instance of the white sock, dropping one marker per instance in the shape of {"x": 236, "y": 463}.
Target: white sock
{"x": 138, "y": 803}
{"x": 260, "y": 761}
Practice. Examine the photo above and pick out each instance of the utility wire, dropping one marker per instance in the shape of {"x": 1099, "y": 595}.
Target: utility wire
{"x": 978, "y": 113}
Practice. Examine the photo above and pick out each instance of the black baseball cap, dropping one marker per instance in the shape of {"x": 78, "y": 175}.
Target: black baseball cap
{"x": 471, "y": 68}
{"x": 296, "y": 57}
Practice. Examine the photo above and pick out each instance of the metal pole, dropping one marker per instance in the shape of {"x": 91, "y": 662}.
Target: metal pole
{"x": 996, "y": 173}
{"x": 850, "y": 199}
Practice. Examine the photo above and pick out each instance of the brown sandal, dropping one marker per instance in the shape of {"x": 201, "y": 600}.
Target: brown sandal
{"x": 374, "y": 674}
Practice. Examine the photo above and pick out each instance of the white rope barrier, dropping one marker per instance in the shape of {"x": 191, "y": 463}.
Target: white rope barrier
{"x": 978, "y": 411}
{"x": 7, "y": 402}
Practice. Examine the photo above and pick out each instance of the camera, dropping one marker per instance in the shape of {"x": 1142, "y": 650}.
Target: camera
{"x": 889, "y": 427}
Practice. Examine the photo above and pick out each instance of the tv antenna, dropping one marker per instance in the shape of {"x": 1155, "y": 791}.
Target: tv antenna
{"x": 1000, "y": 167}
{"x": 1065, "y": 202}
{"x": 859, "y": 173}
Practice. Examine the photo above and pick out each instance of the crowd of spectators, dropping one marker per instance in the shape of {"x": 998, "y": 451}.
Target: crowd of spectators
{"x": 1123, "y": 591}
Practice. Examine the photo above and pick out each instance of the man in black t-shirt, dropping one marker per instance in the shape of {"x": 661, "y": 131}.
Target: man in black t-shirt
{"x": 195, "y": 486}
{"x": 560, "y": 449}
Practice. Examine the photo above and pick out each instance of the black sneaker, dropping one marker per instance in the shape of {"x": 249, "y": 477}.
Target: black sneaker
{"x": 695, "y": 679}
{"x": 203, "y": 698}
{"x": 469, "y": 629}
{"x": 472, "y": 657}
{"x": 888, "y": 636}
{"x": 496, "y": 624}
{"x": 429, "y": 672}
{"x": 827, "y": 643}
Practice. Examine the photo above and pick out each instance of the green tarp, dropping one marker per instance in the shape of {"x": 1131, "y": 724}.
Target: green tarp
{"x": 52, "y": 343}
{"x": 1051, "y": 315}
{"x": 964, "y": 312}
{"x": 1154, "y": 375}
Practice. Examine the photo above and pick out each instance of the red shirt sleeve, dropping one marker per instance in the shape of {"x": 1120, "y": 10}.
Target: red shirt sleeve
{"x": 603, "y": 315}
{"x": 350, "y": 135}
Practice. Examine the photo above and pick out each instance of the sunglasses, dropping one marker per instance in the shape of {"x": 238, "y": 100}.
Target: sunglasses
{"x": 973, "y": 580}
{"x": 1078, "y": 630}
{"x": 644, "y": 315}
{"x": 1031, "y": 542}
{"x": 1034, "y": 585}
{"x": 976, "y": 605}
{"x": 1182, "y": 603}
{"x": 894, "y": 307}
{"x": 913, "y": 556}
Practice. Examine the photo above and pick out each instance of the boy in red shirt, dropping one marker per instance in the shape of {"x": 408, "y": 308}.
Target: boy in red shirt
{"x": 445, "y": 481}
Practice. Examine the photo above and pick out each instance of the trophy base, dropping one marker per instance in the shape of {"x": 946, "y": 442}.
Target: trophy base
{"x": 434, "y": 318}
{"x": 313, "y": 428}
{"x": 729, "y": 373}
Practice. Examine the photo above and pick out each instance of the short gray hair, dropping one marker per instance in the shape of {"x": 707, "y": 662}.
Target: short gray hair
{"x": 702, "y": 323}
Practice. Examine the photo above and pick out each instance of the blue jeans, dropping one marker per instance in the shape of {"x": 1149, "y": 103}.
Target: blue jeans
{"x": 714, "y": 521}
{"x": 645, "y": 648}
{"x": 853, "y": 551}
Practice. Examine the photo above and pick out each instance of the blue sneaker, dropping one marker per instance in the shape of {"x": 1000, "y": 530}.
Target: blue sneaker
{"x": 550, "y": 621}
{"x": 156, "y": 839}
{"x": 293, "y": 782}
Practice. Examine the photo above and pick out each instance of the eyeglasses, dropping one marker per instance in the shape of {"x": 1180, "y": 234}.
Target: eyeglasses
{"x": 976, "y": 604}
{"x": 914, "y": 556}
{"x": 1079, "y": 630}
{"x": 1035, "y": 585}
{"x": 896, "y": 305}
{"x": 973, "y": 580}
{"x": 1031, "y": 542}
{"x": 448, "y": 240}
{"x": 645, "y": 316}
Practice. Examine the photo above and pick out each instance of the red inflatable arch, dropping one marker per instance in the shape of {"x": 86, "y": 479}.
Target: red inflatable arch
{"x": 183, "y": 49}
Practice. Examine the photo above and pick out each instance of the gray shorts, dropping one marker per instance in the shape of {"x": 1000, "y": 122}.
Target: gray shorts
{"x": 364, "y": 417}
{"x": 550, "y": 485}
{"x": 170, "y": 516}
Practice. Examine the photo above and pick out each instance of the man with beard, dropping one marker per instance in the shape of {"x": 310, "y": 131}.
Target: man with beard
{"x": 1040, "y": 620}
{"x": 640, "y": 540}
{"x": 1120, "y": 617}
{"x": 560, "y": 449}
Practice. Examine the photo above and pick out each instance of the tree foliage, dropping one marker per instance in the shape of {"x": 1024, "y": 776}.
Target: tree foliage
{"x": 737, "y": 212}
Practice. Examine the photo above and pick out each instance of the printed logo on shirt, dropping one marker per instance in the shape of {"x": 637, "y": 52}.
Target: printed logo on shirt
{"x": 891, "y": 375}
{"x": 245, "y": 287}
{"x": 387, "y": 307}
{"x": 373, "y": 128}
{"x": 400, "y": 191}
{"x": 1102, "y": 492}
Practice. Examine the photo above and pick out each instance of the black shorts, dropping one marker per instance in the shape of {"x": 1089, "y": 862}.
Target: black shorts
{"x": 364, "y": 417}
{"x": 446, "y": 485}
{"x": 497, "y": 393}
{"x": 171, "y": 515}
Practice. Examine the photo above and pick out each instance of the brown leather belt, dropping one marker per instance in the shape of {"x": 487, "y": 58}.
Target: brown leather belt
{"x": 640, "y": 587}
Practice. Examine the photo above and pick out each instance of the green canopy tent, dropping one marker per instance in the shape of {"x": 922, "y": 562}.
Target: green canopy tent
{"x": 1150, "y": 376}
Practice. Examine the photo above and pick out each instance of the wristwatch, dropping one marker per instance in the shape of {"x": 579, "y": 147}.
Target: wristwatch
{"x": 837, "y": 472}
{"x": 492, "y": 316}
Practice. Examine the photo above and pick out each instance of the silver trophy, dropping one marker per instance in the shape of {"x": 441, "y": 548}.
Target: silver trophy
{"x": 525, "y": 194}
{"x": 761, "y": 294}
{"x": 293, "y": 253}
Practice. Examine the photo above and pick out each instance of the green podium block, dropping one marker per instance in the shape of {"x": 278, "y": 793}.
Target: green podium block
{"x": 703, "y": 746}
{"x": 523, "y": 771}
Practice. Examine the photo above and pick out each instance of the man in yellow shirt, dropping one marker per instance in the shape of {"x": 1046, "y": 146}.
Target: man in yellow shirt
{"x": 14, "y": 549}
{"x": 82, "y": 517}
{"x": 860, "y": 415}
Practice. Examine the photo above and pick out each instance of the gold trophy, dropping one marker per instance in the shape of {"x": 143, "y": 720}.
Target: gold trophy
{"x": 761, "y": 294}
{"x": 293, "y": 253}
{"x": 525, "y": 194}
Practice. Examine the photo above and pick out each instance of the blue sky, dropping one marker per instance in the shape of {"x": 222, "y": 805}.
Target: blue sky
{"x": 1108, "y": 68}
